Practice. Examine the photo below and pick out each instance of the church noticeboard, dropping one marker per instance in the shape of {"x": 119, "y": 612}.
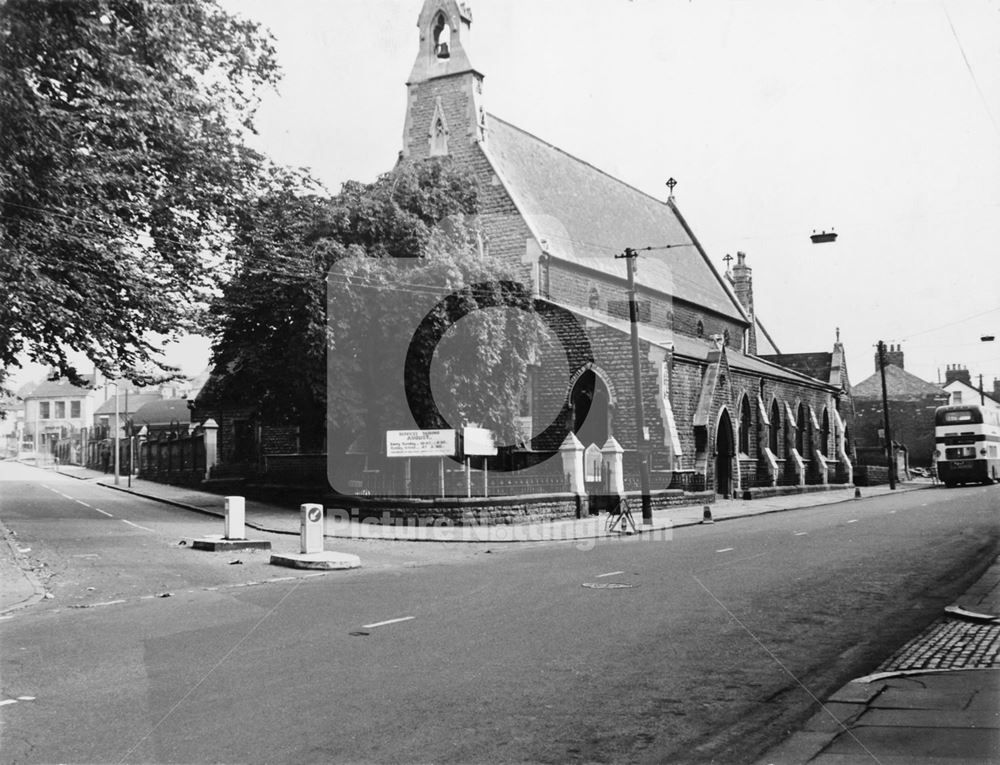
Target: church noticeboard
{"x": 420, "y": 443}
{"x": 478, "y": 442}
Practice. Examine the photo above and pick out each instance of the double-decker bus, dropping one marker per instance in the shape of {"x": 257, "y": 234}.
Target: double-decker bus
{"x": 967, "y": 444}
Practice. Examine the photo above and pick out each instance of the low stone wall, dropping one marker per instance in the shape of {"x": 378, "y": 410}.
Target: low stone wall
{"x": 500, "y": 510}
{"x": 779, "y": 491}
{"x": 871, "y": 475}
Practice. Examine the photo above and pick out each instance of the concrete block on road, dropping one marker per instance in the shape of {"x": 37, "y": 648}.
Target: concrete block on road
{"x": 218, "y": 544}
{"x": 324, "y": 560}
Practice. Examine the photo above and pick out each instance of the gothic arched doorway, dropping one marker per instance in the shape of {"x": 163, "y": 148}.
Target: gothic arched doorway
{"x": 724, "y": 451}
{"x": 591, "y": 404}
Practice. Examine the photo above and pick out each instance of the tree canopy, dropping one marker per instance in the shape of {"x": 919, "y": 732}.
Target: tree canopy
{"x": 318, "y": 319}
{"x": 122, "y": 164}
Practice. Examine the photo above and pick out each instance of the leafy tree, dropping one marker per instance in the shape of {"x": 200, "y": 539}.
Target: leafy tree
{"x": 333, "y": 290}
{"x": 122, "y": 162}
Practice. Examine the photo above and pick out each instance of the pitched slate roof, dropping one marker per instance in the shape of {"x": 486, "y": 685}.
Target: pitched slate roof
{"x": 59, "y": 389}
{"x": 899, "y": 384}
{"x": 163, "y": 412}
{"x": 815, "y": 365}
{"x": 697, "y": 349}
{"x": 135, "y": 401}
{"x": 586, "y": 216}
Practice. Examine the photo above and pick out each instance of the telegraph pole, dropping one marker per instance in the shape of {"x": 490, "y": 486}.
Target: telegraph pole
{"x": 885, "y": 413}
{"x": 640, "y": 431}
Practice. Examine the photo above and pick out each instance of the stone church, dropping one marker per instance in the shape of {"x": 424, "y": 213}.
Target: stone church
{"x": 717, "y": 415}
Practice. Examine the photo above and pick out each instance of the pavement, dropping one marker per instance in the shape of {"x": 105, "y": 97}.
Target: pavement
{"x": 276, "y": 519}
{"x": 936, "y": 701}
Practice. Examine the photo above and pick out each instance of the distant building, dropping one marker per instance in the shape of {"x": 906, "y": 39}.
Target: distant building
{"x": 958, "y": 384}
{"x": 912, "y": 402}
{"x": 56, "y": 413}
{"x": 12, "y": 422}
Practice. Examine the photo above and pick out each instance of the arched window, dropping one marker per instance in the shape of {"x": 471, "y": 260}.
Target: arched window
{"x": 824, "y": 444}
{"x": 800, "y": 430}
{"x": 442, "y": 37}
{"x": 772, "y": 439}
{"x": 745, "y": 425}
{"x": 700, "y": 328}
{"x": 594, "y": 299}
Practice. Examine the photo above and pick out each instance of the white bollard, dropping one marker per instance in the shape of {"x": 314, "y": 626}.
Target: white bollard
{"x": 235, "y": 518}
{"x": 311, "y": 529}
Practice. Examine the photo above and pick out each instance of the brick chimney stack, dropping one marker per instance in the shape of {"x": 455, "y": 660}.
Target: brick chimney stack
{"x": 893, "y": 356}
{"x": 957, "y": 372}
{"x": 742, "y": 280}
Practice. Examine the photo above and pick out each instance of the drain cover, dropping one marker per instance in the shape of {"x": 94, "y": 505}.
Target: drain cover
{"x": 607, "y": 585}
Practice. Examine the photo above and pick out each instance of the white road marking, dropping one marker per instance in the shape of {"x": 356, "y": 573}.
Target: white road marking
{"x": 892, "y": 512}
{"x": 801, "y": 533}
{"x": 137, "y": 525}
{"x": 102, "y": 512}
{"x": 83, "y": 503}
{"x": 613, "y": 573}
{"x": 25, "y": 698}
{"x": 853, "y": 520}
{"x": 726, "y": 549}
{"x": 8, "y": 701}
{"x": 387, "y": 621}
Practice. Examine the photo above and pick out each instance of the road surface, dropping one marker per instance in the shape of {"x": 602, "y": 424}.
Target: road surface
{"x": 710, "y": 646}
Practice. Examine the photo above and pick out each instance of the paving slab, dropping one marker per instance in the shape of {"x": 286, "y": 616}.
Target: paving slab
{"x": 798, "y": 748}
{"x": 858, "y": 693}
{"x": 924, "y": 698}
{"x": 915, "y": 743}
{"x": 889, "y": 759}
{"x": 834, "y": 716}
{"x": 931, "y": 718}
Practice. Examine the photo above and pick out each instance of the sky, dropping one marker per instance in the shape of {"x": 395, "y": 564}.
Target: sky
{"x": 878, "y": 119}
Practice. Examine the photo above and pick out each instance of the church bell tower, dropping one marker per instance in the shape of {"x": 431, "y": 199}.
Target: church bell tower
{"x": 444, "y": 115}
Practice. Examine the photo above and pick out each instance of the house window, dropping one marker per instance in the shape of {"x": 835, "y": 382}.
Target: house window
{"x": 956, "y": 397}
{"x": 60, "y": 410}
{"x": 74, "y": 409}
{"x": 700, "y": 328}
{"x": 594, "y": 300}
{"x": 43, "y": 410}
{"x": 745, "y": 426}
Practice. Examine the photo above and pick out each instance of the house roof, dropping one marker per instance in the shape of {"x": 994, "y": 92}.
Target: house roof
{"x": 135, "y": 402}
{"x": 898, "y": 383}
{"x": 811, "y": 364}
{"x": 163, "y": 412}
{"x": 59, "y": 389}
{"x": 698, "y": 348}
{"x": 585, "y": 216}
{"x": 964, "y": 387}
